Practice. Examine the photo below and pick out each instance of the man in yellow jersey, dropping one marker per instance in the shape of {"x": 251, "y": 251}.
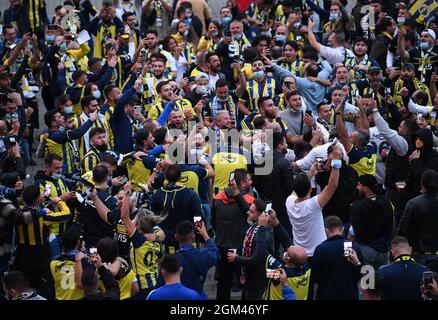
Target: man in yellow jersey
{"x": 51, "y": 178}
{"x": 362, "y": 154}
{"x": 33, "y": 251}
{"x": 260, "y": 86}
{"x": 89, "y": 105}
{"x": 62, "y": 142}
{"x": 63, "y": 268}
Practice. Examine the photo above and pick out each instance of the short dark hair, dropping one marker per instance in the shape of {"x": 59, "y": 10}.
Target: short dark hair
{"x": 333, "y": 222}
{"x": 107, "y": 90}
{"x": 185, "y": 229}
{"x": 220, "y": 83}
{"x": 411, "y": 124}
{"x": 170, "y": 263}
{"x": 312, "y": 70}
{"x": 360, "y": 39}
{"x": 108, "y": 158}
{"x": 260, "y": 205}
{"x": 429, "y": 180}
{"x": 240, "y": 175}
{"x": 50, "y": 158}
{"x": 151, "y": 31}
{"x": 173, "y": 173}
{"x": 319, "y": 105}
{"x": 301, "y": 149}
{"x": 160, "y": 135}
{"x": 310, "y": 54}
{"x": 277, "y": 138}
{"x": 100, "y": 173}
{"x": 86, "y": 101}
{"x": 259, "y": 122}
{"x": 292, "y": 93}
{"x": 108, "y": 249}
{"x": 162, "y": 84}
{"x": 93, "y": 61}
{"x": 70, "y": 238}
{"x": 89, "y": 277}
{"x": 31, "y": 194}
{"x": 301, "y": 185}
{"x": 126, "y": 15}
{"x": 49, "y": 117}
{"x": 260, "y": 38}
{"x": 293, "y": 44}
{"x": 262, "y": 100}
{"x": 95, "y": 131}
{"x": 77, "y": 74}
{"x": 209, "y": 55}
{"x": 63, "y": 99}
{"x": 16, "y": 280}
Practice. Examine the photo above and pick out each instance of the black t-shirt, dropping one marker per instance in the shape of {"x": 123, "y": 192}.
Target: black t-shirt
{"x": 120, "y": 233}
{"x": 95, "y": 228}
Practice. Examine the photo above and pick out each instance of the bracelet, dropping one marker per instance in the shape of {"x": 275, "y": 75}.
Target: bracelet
{"x": 336, "y": 163}
{"x": 338, "y": 113}
{"x": 358, "y": 263}
{"x": 156, "y": 171}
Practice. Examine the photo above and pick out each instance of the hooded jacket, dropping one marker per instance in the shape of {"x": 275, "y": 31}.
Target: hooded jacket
{"x": 428, "y": 159}
{"x": 229, "y": 219}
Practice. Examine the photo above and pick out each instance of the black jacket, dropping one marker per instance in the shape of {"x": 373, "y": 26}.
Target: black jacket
{"x": 336, "y": 277}
{"x": 419, "y": 223}
{"x": 428, "y": 159}
{"x": 228, "y": 218}
{"x": 10, "y": 170}
{"x": 345, "y": 194}
{"x": 372, "y": 221}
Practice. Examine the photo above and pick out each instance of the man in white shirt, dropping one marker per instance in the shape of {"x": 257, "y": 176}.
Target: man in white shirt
{"x": 305, "y": 212}
{"x": 337, "y": 54}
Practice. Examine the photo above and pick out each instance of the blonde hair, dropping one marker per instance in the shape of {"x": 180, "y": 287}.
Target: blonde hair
{"x": 146, "y": 220}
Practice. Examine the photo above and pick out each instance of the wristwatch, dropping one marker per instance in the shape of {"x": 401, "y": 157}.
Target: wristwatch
{"x": 375, "y": 110}
{"x": 338, "y": 113}
{"x": 156, "y": 171}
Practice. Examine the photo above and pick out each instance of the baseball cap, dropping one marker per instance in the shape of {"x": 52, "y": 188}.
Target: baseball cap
{"x": 408, "y": 65}
{"x": 429, "y": 32}
{"x": 374, "y": 69}
{"x": 202, "y": 75}
{"x": 123, "y": 34}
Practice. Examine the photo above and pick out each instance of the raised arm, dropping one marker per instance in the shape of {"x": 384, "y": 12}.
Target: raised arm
{"x": 342, "y": 130}
{"x": 312, "y": 39}
{"x": 326, "y": 194}
{"x": 125, "y": 211}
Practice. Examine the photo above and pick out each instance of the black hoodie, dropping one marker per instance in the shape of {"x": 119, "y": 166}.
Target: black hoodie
{"x": 428, "y": 159}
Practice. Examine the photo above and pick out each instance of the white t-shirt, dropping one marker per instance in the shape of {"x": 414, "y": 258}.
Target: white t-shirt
{"x": 319, "y": 151}
{"x": 377, "y": 138}
{"x": 307, "y": 223}
{"x": 335, "y": 55}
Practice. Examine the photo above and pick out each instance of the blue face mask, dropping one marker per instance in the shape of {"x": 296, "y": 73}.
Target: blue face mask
{"x": 333, "y": 15}
{"x": 97, "y": 94}
{"x": 214, "y": 34}
{"x": 56, "y": 176}
{"x": 61, "y": 129}
{"x": 50, "y": 38}
{"x": 63, "y": 46}
{"x": 280, "y": 38}
{"x": 226, "y": 20}
{"x": 237, "y": 36}
{"x": 185, "y": 33}
{"x": 259, "y": 74}
{"x": 188, "y": 21}
{"x": 68, "y": 109}
{"x": 424, "y": 45}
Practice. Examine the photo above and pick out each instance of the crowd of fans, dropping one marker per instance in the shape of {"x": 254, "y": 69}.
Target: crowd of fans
{"x": 336, "y": 100}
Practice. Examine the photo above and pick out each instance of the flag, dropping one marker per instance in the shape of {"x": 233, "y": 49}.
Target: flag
{"x": 243, "y": 4}
{"x": 422, "y": 10}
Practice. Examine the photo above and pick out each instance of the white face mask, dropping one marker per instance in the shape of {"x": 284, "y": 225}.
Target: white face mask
{"x": 202, "y": 89}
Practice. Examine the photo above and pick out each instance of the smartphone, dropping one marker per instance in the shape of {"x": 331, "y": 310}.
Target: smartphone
{"x": 427, "y": 278}
{"x": 232, "y": 250}
{"x": 319, "y": 164}
{"x": 348, "y": 246}
{"x": 268, "y": 207}
{"x": 92, "y": 257}
{"x": 137, "y": 109}
{"x": 273, "y": 273}
{"x": 335, "y": 141}
{"x": 198, "y": 221}
{"x": 177, "y": 91}
{"x": 124, "y": 180}
{"x": 309, "y": 112}
{"x": 231, "y": 176}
